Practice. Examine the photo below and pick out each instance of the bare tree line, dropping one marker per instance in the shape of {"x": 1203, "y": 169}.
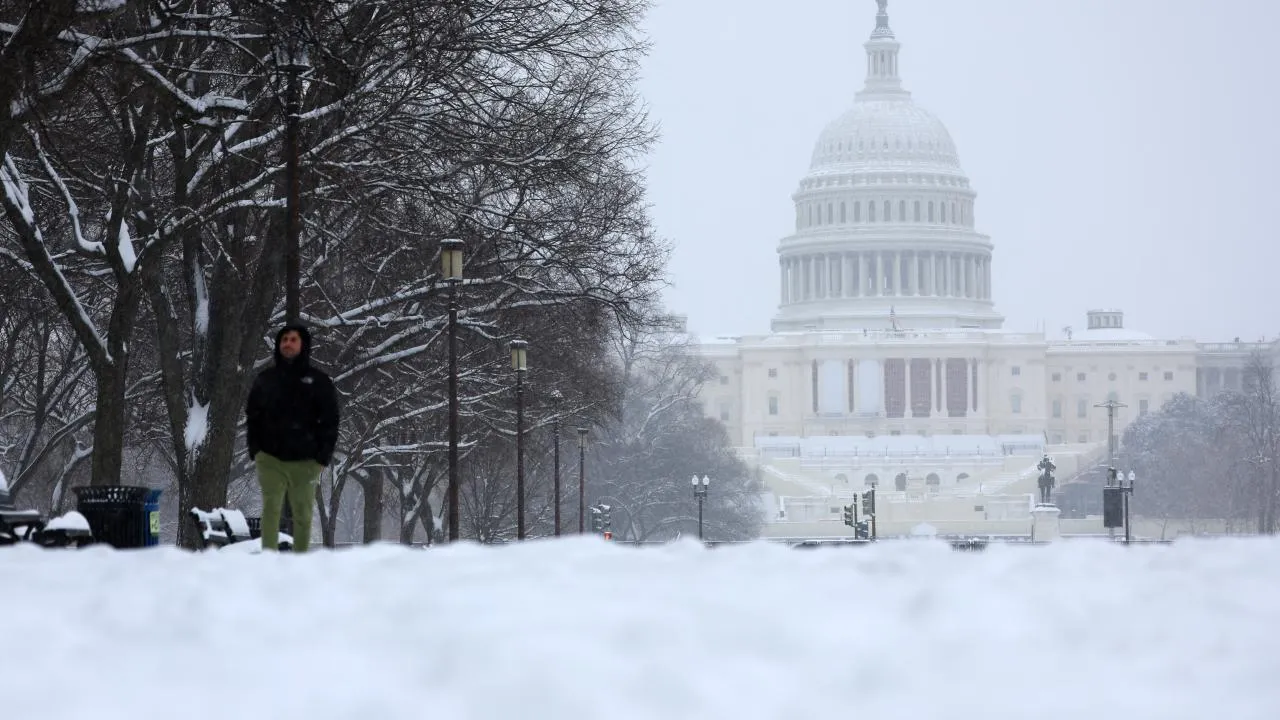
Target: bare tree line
{"x": 1212, "y": 459}
{"x": 145, "y": 146}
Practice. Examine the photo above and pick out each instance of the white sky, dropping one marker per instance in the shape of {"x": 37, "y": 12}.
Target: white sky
{"x": 1125, "y": 154}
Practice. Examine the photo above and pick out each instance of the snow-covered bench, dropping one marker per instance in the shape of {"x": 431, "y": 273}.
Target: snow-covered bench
{"x": 221, "y": 527}
{"x": 70, "y": 530}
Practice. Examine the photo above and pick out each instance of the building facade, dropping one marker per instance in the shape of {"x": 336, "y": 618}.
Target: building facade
{"x": 887, "y": 337}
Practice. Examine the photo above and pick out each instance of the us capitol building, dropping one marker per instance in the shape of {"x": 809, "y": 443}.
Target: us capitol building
{"x": 888, "y": 364}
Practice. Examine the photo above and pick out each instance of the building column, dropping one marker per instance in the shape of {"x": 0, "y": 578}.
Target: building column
{"x": 879, "y": 281}
{"x": 897, "y": 275}
{"x": 976, "y": 393}
{"x": 943, "y": 388}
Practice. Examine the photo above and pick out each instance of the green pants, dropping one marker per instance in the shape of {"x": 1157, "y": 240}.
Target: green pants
{"x": 297, "y": 480}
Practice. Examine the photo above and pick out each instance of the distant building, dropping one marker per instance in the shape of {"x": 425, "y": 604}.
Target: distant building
{"x": 888, "y": 361}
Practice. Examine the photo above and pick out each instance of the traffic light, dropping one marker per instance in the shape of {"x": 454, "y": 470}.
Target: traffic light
{"x": 869, "y": 502}
{"x": 848, "y": 515}
{"x": 862, "y": 530}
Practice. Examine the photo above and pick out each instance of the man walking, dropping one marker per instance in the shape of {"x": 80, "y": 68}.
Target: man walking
{"x": 292, "y": 422}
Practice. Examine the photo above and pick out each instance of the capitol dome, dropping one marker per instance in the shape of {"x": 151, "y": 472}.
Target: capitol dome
{"x": 886, "y": 134}
{"x": 885, "y": 234}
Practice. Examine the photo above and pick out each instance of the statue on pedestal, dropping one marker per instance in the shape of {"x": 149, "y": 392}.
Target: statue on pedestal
{"x": 1046, "y": 468}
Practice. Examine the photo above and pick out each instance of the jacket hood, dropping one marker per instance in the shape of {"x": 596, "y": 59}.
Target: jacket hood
{"x": 304, "y": 358}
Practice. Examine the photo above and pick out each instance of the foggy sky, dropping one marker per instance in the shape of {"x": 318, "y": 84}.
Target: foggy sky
{"x": 1125, "y": 153}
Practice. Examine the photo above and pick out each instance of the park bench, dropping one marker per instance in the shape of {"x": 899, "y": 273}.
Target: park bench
{"x": 220, "y": 527}
{"x": 30, "y": 526}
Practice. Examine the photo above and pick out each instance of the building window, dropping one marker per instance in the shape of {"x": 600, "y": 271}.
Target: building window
{"x": 773, "y": 372}
{"x": 1057, "y": 408}
{"x": 773, "y": 404}
{"x": 1142, "y": 376}
{"x": 1144, "y": 406}
{"x": 1084, "y": 437}
{"x": 1111, "y": 377}
{"x": 1015, "y": 404}
{"x": 1057, "y": 377}
{"x": 842, "y": 212}
{"x": 1082, "y": 408}
{"x": 1017, "y": 371}
{"x": 724, "y": 380}
{"x": 1079, "y": 377}
{"x": 917, "y": 210}
{"x": 1168, "y": 375}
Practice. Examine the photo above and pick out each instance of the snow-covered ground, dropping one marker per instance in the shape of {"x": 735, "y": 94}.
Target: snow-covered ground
{"x": 583, "y": 629}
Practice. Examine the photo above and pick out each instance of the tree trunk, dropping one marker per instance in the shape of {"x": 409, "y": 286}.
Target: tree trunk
{"x": 372, "y": 489}
{"x": 108, "y": 425}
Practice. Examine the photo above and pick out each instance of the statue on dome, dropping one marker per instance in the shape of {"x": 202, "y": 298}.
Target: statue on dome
{"x": 1046, "y": 468}
{"x": 884, "y": 5}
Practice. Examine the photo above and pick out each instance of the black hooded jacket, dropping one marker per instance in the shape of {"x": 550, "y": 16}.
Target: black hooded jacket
{"x": 292, "y": 412}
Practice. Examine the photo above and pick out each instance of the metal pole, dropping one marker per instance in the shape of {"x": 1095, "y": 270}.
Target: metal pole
{"x": 699, "y": 517}
{"x": 293, "y": 263}
{"x": 453, "y": 411}
{"x": 555, "y": 433}
{"x": 873, "y": 515}
{"x": 1127, "y": 493}
{"x": 519, "y": 455}
{"x": 582, "y": 486}
{"x": 1111, "y": 434}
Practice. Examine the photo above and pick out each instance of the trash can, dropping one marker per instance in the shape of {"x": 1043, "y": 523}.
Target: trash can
{"x": 118, "y": 514}
{"x": 152, "y": 508}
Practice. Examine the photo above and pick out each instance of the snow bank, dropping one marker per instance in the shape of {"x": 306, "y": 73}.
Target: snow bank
{"x": 583, "y": 629}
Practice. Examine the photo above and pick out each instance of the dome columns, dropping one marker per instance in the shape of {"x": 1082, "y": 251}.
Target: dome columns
{"x": 851, "y": 274}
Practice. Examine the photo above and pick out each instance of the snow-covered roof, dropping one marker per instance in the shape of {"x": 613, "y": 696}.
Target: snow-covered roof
{"x": 1111, "y": 334}
{"x": 884, "y": 134}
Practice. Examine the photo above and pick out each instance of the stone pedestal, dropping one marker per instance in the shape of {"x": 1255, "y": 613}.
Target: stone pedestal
{"x": 1045, "y": 526}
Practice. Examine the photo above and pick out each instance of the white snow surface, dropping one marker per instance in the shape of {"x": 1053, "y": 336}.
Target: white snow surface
{"x": 69, "y": 521}
{"x": 579, "y": 628}
{"x": 4, "y": 484}
{"x": 197, "y": 424}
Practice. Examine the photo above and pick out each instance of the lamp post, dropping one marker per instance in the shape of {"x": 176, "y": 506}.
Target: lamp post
{"x": 700, "y": 492}
{"x": 582, "y": 480}
{"x": 451, "y": 271}
{"x": 556, "y": 398}
{"x": 290, "y": 52}
{"x": 1127, "y": 492}
{"x": 518, "y": 348}
{"x": 291, "y": 57}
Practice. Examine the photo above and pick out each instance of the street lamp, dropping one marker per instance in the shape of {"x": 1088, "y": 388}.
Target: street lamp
{"x": 700, "y": 492}
{"x": 518, "y": 348}
{"x": 556, "y": 398}
{"x": 290, "y": 54}
{"x": 451, "y": 271}
{"x": 1128, "y": 491}
{"x": 582, "y": 480}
